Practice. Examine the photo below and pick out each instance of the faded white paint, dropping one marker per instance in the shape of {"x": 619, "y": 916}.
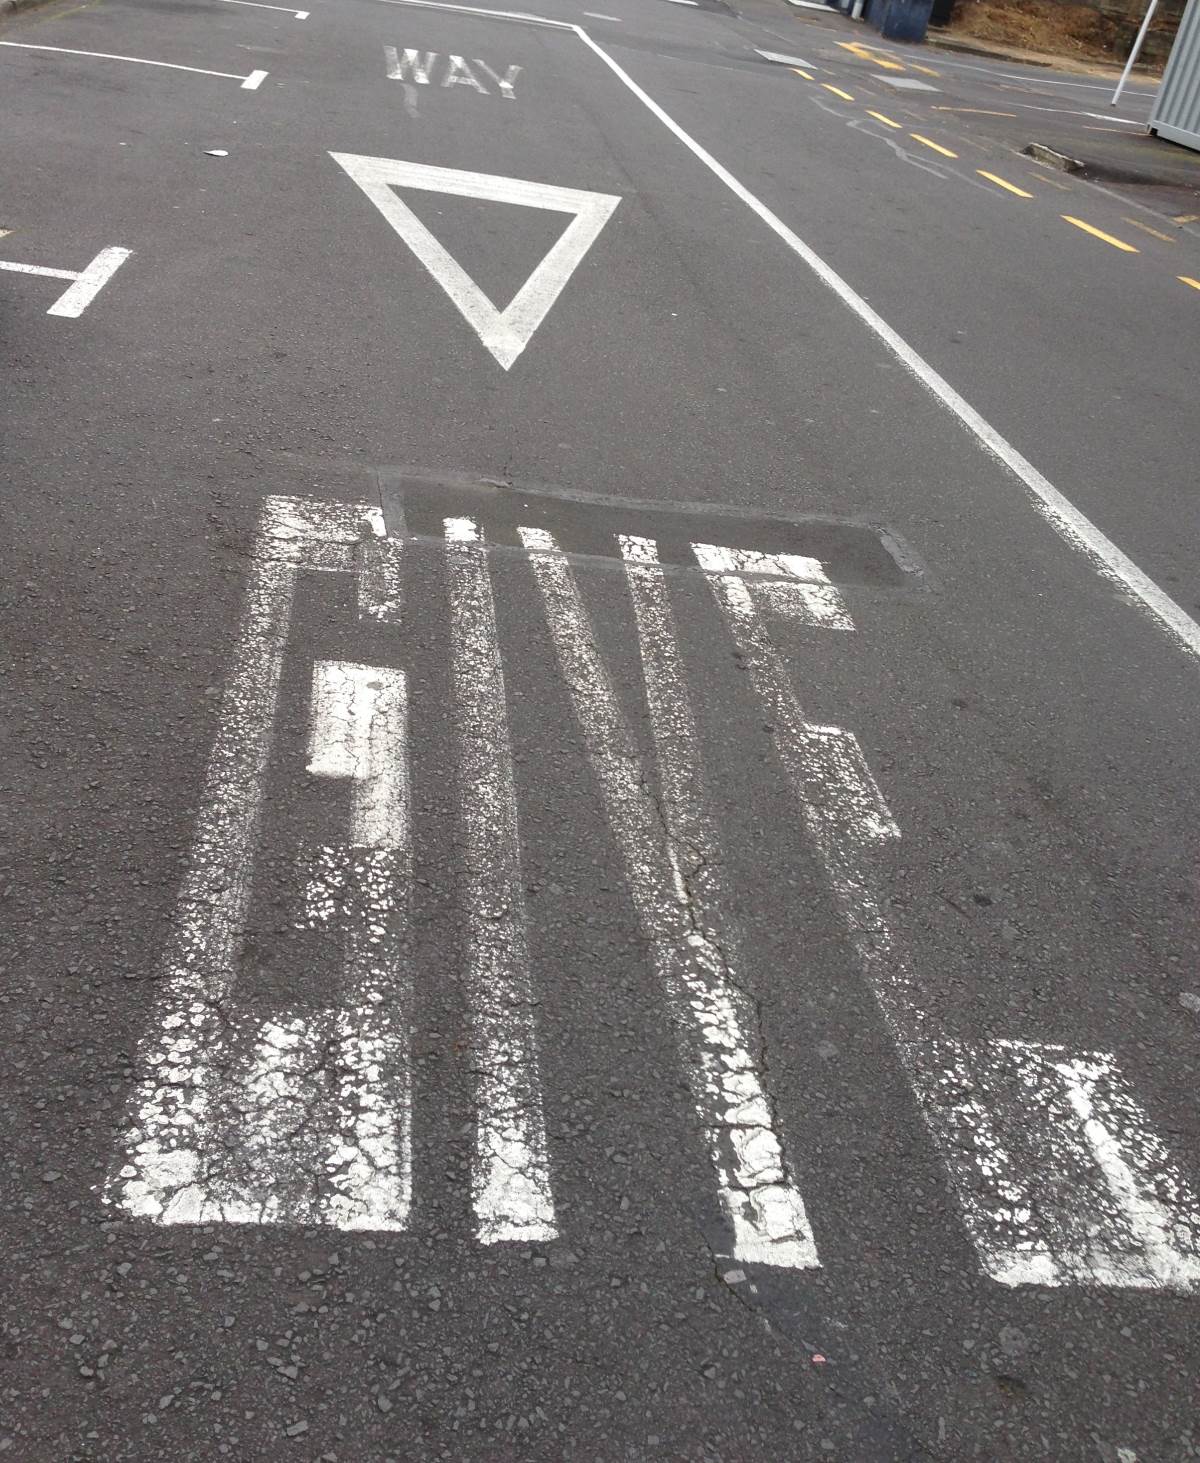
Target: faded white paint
{"x": 792, "y": 584}
{"x": 505, "y": 332}
{"x": 250, "y": 83}
{"x": 411, "y": 65}
{"x": 1059, "y": 1173}
{"x": 1072, "y": 1184}
{"x": 673, "y": 869}
{"x": 234, "y": 1118}
{"x": 458, "y": 73}
{"x": 86, "y": 283}
{"x": 511, "y": 1177}
{"x": 506, "y": 84}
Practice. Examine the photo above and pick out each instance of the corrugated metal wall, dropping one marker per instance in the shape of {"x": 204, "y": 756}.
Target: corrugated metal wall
{"x": 1176, "y": 114}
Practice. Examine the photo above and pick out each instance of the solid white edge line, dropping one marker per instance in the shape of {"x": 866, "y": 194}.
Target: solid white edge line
{"x": 137, "y": 61}
{"x": 1072, "y": 526}
{"x": 1068, "y": 522}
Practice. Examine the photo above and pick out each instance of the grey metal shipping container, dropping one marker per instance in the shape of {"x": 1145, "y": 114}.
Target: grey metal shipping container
{"x": 1176, "y": 114}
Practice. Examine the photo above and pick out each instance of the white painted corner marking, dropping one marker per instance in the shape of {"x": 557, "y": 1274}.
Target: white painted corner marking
{"x": 505, "y": 332}
{"x": 86, "y": 283}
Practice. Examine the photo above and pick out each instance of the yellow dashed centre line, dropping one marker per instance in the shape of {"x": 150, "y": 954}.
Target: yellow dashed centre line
{"x": 887, "y": 121}
{"x": 838, "y": 92}
{"x": 928, "y": 70}
{"x": 1002, "y": 183}
{"x": 1186, "y": 279}
{"x": 805, "y": 74}
{"x": 1146, "y": 229}
{"x": 928, "y": 142}
{"x": 1100, "y": 234}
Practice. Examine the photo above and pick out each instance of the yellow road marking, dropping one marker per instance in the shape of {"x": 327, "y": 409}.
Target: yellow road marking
{"x": 887, "y": 121}
{"x": 1187, "y": 218}
{"x": 838, "y": 92}
{"x": 928, "y": 70}
{"x": 864, "y": 54}
{"x": 1195, "y": 283}
{"x": 937, "y": 146}
{"x": 1054, "y": 183}
{"x": 1146, "y": 229}
{"x": 1000, "y": 183}
{"x": 1100, "y": 234}
{"x": 805, "y": 74}
{"x": 973, "y": 111}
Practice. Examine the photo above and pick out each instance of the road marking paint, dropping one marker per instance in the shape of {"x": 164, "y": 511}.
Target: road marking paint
{"x": 807, "y": 75}
{"x": 249, "y": 83}
{"x": 837, "y": 91}
{"x": 1146, "y": 229}
{"x": 1003, "y": 183}
{"x": 673, "y": 870}
{"x": 196, "y": 1072}
{"x": 86, "y": 283}
{"x": 458, "y": 73}
{"x": 1072, "y": 526}
{"x": 510, "y": 1182}
{"x": 506, "y": 83}
{"x": 358, "y": 732}
{"x": 258, "y": 5}
{"x": 887, "y": 121}
{"x": 1186, "y": 279}
{"x": 685, "y": 2}
{"x": 782, "y": 60}
{"x": 929, "y": 142}
{"x": 596, "y": 15}
{"x": 412, "y": 66}
{"x": 505, "y": 332}
{"x": 907, "y": 83}
{"x": 973, "y": 111}
{"x": 518, "y": 16}
{"x": 1187, "y": 218}
{"x": 1073, "y": 1184}
{"x": 1100, "y": 234}
{"x": 793, "y": 583}
{"x": 864, "y": 53}
{"x": 1061, "y": 1178}
{"x": 926, "y": 70}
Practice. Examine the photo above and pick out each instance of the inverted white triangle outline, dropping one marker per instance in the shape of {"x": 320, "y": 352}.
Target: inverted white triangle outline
{"x": 505, "y": 332}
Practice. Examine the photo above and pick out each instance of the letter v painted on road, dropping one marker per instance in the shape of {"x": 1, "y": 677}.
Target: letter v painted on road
{"x": 505, "y": 332}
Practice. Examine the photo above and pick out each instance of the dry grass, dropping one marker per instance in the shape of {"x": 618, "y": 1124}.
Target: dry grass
{"x": 1045, "y": 25}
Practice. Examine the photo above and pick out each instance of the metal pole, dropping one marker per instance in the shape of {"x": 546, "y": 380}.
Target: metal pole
{"x": 1133, "y": 55}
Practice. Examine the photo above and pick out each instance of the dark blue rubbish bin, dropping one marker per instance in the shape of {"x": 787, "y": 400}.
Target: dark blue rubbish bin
{"x": 900, "y": 20}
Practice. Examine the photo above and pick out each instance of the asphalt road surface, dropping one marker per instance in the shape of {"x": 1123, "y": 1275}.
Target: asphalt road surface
{"x": 600, "y": 682}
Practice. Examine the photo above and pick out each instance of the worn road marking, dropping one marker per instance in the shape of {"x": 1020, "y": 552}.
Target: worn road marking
{"x": 86, "y": 283}
{"x": 1059, "y": 1174}
{"x": 673, "y": 871}
{"x": 807, "y": 75}
{"x": 929, "y": 142}
{"x": 1154, "y": 233}
{"x": 837, "y": 91}
{"x": 505, "y": 332}
{"x": 411, "y": 66}
{"x": 1003, "y": 183}
{"x": 1100, "y": 234}
{"x": 887, "y": 121}
{"x": 249, "y": 83}
{"x": 864, "y": 53}
{"x": 973, "y": 111}
{"x": 510, "y": 1182}
{"x": 1186, "y": 279}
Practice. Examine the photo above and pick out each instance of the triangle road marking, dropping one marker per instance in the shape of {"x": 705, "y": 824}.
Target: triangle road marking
{"x": 505, "y": 332}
